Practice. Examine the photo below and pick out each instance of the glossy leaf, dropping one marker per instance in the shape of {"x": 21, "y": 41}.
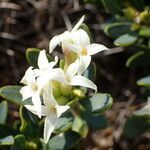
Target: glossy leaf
{"x": 95, "y": 122}
{"x": 29, "y": 123}
{"x": 138, "y": 59}
{"x": 32, "y": 56}
{"x": 3, "y": 112}
{"x": 144, "y": 81}
{"x": 126, "y": 40}
{"x": 80, "y": 126}
{"x": 117, "y": 29}
{"x": 12, "y": 94}
{"x": 63, "y": 141}
{"x": 97, "y": 103}
{"x": 136, "y": 126}
{"x": 145, "y": 111}
{"x": 9, "y": 140}
{"x": 64, "y": 123}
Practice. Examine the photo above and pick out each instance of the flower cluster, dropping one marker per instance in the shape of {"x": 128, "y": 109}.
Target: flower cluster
{"x": 43, "y": 84}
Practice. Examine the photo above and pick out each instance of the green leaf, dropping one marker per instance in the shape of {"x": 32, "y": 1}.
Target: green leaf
{"x": 145, "y": 111}
{"x": 97, "y": 103}
{"x": 126, "y": 40}
{"x": 3, "y": 112}
{"x": 117, "y": 29}
{"x": 145, "y": 32}
{"x": 136, "y": 126}
{"x": 32, "y": 56}
{"x": 64, "y": 123}
{"x": 144, "y": 81}
{"x": 90, "y": 72}
{"x": 9, "y": 140}
{"x": 114, "y": 7}
{"x": 80, "y": 126}
{"x": 20, "y": 142}
{"x": 29, "y": 124}
{"x": 138, "y": 59}
{"x": 95, "y": 122}
{"x": 12, "y": 94}
{"x": 63, "y": 141}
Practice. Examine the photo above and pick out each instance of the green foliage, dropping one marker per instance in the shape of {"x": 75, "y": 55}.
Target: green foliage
{"x": 145, "y": 111}
{"x": 29, "y": 124}
{"x": 97, "y": 103}
{"x": 94, "y": 121}
{"x": 144, "y": 81}
{"x": 32, "y": 56}
{"x": 117, "y": 29}
{"x": 64, "y": 123}
{"x": 145, "y": 32}
{"x": 80, "y": 126}
{"x": 3, "y": 112}
{"x": 63, "y": 141}
{"x": 9, "y": 140}
{"x": 20, "y": 142}
{"x": 138, "y": 59}
{"x": 115, "y": 7}
{"x": 136, "y": 126}
{"x": 12, "y": 94}
{"x": 126, "y": 40}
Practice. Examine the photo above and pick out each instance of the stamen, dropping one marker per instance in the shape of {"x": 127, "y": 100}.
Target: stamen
{"x": 84, "y": 51}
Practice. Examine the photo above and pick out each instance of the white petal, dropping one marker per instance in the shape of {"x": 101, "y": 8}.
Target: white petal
{"x": 58, "y": 74}
{"x": 80, "y": 38}
{"x": 84, "y": 63}
{"x": 78, "y": 24}
{"x": 29, "y": 76}
{"x": 44, "y": 110}
{"x": 37, "y": 103}
{"x": 61, "y": 109}
{"x": 95, "y": 48}
{"x": 48, "y": 97}
{"x": 49, "y": 125}
{"x": 72, "y": 69}
{"x": 42, "y": 60}
{"x": 53, "y": 43}
{"x": 26, "y": 92}
{"x": 53, "y": 63}
{"x": 79, "y": 80}
{"x": 42, "y": 81}
{"x": 74, "y": 48}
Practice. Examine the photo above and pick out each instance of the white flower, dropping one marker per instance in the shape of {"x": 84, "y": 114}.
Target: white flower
{"x": 51, "y": 110}
{"x": 78, "y": 80}
{"x": 46, "y": 72}
{"x": 31, "y": 89}
{"x": 77, "y": 41}
{"x": 64, "y": 37}
{"x": 81, "y": 45}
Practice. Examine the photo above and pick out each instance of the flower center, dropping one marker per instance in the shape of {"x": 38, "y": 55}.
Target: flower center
{"x": 84, "y": 51}
{"x": 53, "y": 110}
{"x": 34, "y": 87}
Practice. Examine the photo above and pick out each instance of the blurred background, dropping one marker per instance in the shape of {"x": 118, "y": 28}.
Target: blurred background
{"x": 32, "y": 23}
